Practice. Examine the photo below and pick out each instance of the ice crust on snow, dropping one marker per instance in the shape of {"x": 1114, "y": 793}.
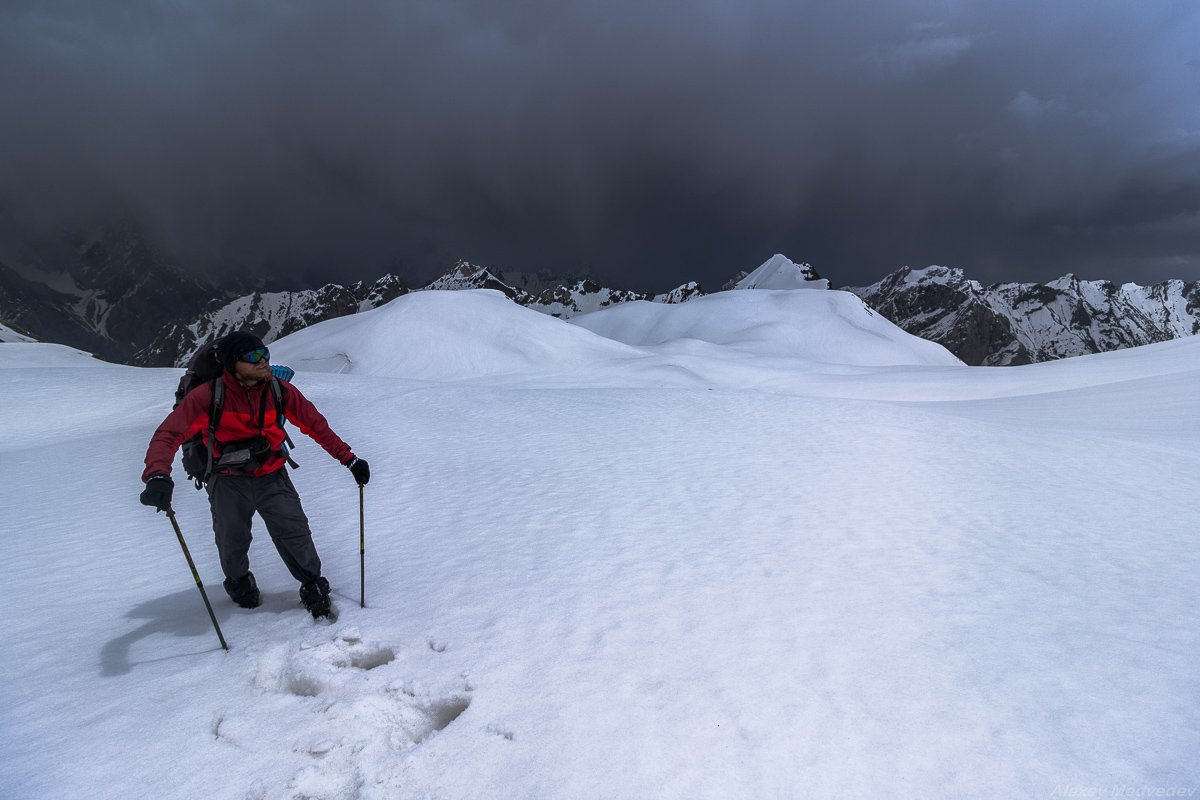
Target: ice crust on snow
{"x": 688, "y": 558}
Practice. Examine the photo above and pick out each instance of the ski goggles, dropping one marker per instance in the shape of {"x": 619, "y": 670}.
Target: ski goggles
{"x": 256, "y": 355}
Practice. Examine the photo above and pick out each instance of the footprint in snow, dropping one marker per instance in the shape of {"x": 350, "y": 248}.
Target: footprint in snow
{"x": 334, "y": 703}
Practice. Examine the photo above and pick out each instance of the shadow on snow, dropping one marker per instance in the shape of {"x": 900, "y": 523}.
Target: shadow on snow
{"x": 182, "y": 614}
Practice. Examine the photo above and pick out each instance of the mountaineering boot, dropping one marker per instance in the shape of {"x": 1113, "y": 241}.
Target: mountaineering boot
{"x": 244, "y": 591}
{"x": 315, "y": 597}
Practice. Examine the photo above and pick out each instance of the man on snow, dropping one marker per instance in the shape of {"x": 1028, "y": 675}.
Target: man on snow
{"x": 249, "y": 433}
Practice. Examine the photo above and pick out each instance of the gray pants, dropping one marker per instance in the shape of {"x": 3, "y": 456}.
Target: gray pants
{"x": 235, "y": 498}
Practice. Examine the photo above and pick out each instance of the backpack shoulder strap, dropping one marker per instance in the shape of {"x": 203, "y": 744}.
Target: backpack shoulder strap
{"x": 218, "y": 404}
{"x": 214, "y": 418}
{"x": 277, "y": 391}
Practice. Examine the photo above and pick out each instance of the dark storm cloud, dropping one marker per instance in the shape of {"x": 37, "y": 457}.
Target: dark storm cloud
{"x": 649, "y": 143}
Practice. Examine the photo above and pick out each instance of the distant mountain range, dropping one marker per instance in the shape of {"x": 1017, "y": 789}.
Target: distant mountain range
{"x": 272, "y": 315}
{"x": 115, "y": 295}
{"x": 109, "y": 294}
{"x": 269, "y": 315}
{"x": 1021, "y": 323}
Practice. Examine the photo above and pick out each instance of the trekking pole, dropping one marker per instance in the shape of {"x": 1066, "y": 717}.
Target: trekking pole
{"x": 196, "y": 575}
{"x": 362, "y": 552}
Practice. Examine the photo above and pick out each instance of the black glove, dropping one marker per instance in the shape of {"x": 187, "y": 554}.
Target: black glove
{"x": 360, "y": 470}
{"x": 158, "y": 492}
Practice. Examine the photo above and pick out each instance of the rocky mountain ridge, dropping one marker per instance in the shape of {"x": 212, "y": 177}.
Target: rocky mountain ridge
{"x": 272, "y": 315}
{"x": 115, "y": 295}
{"x": 269, "y": 315}
{"x": 108, "y": 293}
{"x": 1021, "y": 323}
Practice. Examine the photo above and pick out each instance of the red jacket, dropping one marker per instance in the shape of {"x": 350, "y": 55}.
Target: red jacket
{"x": 239, "y": 419}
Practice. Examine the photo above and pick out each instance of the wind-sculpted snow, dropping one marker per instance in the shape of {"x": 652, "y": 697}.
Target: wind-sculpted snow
{"x": 823, "y": 327}
{"x": 772, "y": 576}
{"x": 466, "y": 335}
{"x": 448, "y": 335}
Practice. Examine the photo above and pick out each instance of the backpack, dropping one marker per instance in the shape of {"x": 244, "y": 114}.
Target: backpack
{"x": 205, "y": 367}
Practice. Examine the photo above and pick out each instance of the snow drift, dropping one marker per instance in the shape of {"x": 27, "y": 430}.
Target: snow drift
{"x": 471, "y": 334}
{"x": 823, "y": 327}
{"x": 445, "y": 336}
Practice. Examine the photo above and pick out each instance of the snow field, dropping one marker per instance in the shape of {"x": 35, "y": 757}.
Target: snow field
{"x": 794, "y": 580}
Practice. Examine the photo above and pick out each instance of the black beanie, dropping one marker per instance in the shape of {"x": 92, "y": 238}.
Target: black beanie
{"x": 236, "y": 345}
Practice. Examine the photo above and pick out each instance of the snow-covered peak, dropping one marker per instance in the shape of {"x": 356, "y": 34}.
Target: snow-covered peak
{"x": 932, "y": 274}
{"x": 582, "y": 297}
{"x": 1016, "y": 323}
{"x": 1064, "y": 283}
{"x": 466, "y": 275}
{"x": 384, "y": 290}
{"x": 562, "y": 300}
{"x": 680, "y": 294}
{"x": 269, "y": 315}
{"x": 780, "y": 272}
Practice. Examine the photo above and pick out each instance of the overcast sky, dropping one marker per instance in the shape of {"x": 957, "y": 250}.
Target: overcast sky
{"x": 645, "y": 142}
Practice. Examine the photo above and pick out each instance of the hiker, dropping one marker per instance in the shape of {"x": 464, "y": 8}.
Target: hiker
{"x": 247, "y": 468}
